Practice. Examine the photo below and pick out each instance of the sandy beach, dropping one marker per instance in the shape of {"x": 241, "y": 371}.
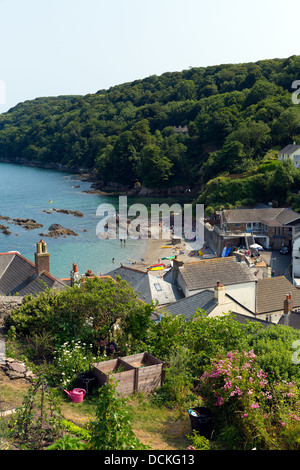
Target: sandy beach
{"x": 158, "y": 249}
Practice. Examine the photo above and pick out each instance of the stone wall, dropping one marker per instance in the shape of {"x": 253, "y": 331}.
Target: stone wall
{"x": 279, "y": 236}
{"x": 234, "y": 227}
{"x": 8, "y": 304}
{"x": 217, "y": 240}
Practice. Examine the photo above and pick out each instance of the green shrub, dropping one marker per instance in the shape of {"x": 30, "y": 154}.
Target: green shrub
{"x": 111, "y": 430}
{"x": 72, "y": 358}
{"x": 198, "y": 442}
{"x": 239, "y": 393}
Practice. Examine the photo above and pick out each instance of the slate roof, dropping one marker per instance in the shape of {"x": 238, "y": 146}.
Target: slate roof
{"x": 292, "y": 320}
{"x": 281, "y": 215}
{"x": 271, "y": 293}
{"x": 205, "y": 273}
{"x": 138, "y": 280}
{"x": 18, "y": 276}
{"x": 203, "y": 300}
{"x": 163, "y": 291}
{"x": 244, "y": 319}
{"x": 289, "y": 149}
{"x": 287, "y": 215}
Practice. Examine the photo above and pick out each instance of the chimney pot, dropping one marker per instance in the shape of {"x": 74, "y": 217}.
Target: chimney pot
{"x": 220, "y": 293}
{"x": 42, "y": 259}
{"x": 288, "y": 304}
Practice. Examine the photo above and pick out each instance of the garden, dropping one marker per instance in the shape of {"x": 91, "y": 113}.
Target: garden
{"x": 246, "y": 375}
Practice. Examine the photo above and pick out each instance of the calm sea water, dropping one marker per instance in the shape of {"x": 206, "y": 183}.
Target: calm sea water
{"x": 25, "y": 192}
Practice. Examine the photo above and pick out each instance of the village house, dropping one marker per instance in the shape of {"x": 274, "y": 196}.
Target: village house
{"x": 196, "y": 276}
{"x": 270, "y": 301}
{"x": 296, "y": 260}
{"x": 181, "y": 130}
{"x": 291, "y": 152}
{"x": 19, "y": 276}
{"x": 147, "y": 286}
{"x": 270, "y": 227}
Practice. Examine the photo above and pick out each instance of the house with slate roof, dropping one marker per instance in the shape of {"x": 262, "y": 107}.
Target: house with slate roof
{"x": 138, "y": 280}
{"x": 296, "y": 259}
{"x": 273, "y": 301}
{"x": 291, "y": 152}
{"x": 196, "y": 276}
{"x": 19, "y": 276}
{"x": 147, "y": 286}
{"x": 270, "y": 227}
{"x": 213, "y": 302}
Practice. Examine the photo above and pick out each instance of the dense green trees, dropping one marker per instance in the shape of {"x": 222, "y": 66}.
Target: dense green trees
{"x": 85, "y": 313}
{"x": 234, "y": 113}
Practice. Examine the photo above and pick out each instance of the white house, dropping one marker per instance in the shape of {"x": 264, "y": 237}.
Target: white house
{"x": 291, "y": 152}
{"x": 296, "y": 260}
{"x": 267, "y": 300}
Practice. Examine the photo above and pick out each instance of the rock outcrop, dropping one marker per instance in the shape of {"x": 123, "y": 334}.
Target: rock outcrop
{"x": 28, "y": 224}
{"x": 56, "y": 230}
{"x": 67, "y": 211}
{"x": 15, "y": 369}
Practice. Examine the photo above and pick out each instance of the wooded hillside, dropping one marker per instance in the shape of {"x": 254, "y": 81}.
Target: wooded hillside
{"x": 237, "y": 116}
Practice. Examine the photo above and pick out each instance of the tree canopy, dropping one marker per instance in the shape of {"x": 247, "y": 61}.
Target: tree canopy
{"x": 234, "y": 113}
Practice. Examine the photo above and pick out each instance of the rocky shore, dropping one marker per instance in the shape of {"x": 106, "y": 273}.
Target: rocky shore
{"x": 115, "y": 189}
{"x": 108, "y": 188}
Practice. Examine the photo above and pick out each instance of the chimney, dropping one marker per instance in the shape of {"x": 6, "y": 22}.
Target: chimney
{"x": 42, "y": 258}
{"x": 175, "y": 271}
{"x": 89, "y": 273}
{"x": 220, "y": 293}
{"x": 287, "y": 304}
{"x": 75, "y": 276}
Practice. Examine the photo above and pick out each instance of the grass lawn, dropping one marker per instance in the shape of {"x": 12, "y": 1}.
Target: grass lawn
{"x": 159, "y": 427}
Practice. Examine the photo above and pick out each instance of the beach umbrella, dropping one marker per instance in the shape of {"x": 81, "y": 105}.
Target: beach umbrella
{"x": 256, "y": 246}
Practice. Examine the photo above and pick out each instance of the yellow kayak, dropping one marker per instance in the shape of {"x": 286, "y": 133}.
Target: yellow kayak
{"x": 158, "y": 268}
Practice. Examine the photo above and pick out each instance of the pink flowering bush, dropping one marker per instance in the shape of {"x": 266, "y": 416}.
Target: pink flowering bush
{"x": 264, "y": 413}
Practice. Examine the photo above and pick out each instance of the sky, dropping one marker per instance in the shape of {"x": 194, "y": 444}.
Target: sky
{"x": 76, "y": 47}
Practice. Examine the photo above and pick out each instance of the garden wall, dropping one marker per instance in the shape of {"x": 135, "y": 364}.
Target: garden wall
{"x": 8, "y": 304}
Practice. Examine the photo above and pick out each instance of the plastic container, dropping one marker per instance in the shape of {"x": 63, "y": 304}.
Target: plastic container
{"x": 201, "y": 421}
{"x": 87, "y": 381}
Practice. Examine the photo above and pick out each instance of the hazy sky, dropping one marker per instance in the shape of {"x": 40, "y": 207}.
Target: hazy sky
{"x": 58, "y": 47}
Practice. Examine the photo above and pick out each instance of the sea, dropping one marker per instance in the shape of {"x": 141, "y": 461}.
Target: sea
{"x": 32, "y": 193}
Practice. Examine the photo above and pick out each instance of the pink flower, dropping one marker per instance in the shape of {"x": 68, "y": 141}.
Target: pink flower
{"x": 220, "y": 401}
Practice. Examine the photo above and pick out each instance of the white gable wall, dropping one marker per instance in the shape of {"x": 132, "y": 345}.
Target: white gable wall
{"x": 296, "y": 258}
